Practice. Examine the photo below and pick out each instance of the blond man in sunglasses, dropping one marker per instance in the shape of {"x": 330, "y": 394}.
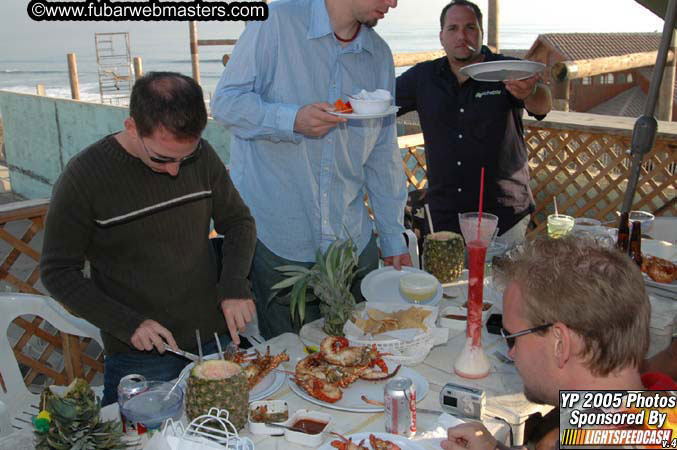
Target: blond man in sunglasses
{"x": 575, "y": 317}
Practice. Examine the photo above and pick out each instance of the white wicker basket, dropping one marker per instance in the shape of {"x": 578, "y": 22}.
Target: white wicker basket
{"x": 412, "y": 352}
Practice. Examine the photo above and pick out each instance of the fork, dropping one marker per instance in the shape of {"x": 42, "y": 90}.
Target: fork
{"x": 230, "y": 351}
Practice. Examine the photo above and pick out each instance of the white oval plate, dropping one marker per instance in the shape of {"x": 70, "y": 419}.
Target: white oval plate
{"x": 352, "y": 395}
{"x": 270, "y": 384}
{"x": 383, "y": 285}
{"x": 392, "y": 110}
{"x": 502, "y": 70}
{"x": 400, "y": 441}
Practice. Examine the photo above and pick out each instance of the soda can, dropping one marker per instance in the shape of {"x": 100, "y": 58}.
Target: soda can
{"x": 131, "y": 386}
{"x": 399, "y": 398}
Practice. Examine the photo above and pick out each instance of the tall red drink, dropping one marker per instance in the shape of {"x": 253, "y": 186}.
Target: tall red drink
{"x": 477, "y": 252}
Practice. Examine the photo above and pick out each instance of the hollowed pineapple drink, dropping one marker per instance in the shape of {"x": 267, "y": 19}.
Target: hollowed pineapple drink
{"x": 218, "y": 384}
{"x": 443, "y": 255}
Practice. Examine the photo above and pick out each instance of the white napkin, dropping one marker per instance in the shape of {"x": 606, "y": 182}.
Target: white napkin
{"x": 433, "y": 438}
{"x": 378, "y": 94}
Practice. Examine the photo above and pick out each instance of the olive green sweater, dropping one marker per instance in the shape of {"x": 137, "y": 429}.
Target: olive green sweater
{"x": 145, "y": 237}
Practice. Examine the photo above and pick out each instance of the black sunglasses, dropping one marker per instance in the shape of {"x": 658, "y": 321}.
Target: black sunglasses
{"x": 165, "y": 160}
{"x": 510, "y": 338}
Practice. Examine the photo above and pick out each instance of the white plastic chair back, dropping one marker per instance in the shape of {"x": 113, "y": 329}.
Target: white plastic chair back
{"x": 413, "y": 248}
{"x": 18, "y": 399}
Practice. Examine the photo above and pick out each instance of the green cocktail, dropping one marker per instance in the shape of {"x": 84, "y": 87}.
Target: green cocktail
{"x": 559, "y": 225}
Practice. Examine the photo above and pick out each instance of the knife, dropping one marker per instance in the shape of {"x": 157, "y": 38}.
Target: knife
{"x": 183, "y": 353}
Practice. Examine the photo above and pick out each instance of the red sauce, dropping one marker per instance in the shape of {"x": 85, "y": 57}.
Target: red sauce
{"x": 455, "y": 317}
{"x": 309, "y": 426}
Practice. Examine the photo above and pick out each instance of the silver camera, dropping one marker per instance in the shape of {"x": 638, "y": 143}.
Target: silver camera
{"x": 463, "y": 400}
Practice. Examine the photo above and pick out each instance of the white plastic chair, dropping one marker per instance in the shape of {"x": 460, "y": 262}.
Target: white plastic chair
{"x": 413, "y": 248}
{"x": 19, "y": 403}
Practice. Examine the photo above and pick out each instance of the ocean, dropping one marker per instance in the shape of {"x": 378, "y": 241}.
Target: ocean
{"x": 35, "y": 52}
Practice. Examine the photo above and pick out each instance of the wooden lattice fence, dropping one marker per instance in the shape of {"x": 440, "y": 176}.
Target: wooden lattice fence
{"x": 46, "y": 355}
{"x": 585, "y": 167}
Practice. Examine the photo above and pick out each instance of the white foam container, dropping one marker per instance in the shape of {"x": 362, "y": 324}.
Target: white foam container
{"x": 274, "y": 406}
{"x": 308, "y": 440}
{"x": 459, "y": 310}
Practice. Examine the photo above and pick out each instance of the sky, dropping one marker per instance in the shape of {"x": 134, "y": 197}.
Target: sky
{"x": 20, "y": 37}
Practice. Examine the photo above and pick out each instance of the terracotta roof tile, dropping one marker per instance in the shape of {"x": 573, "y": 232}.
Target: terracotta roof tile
{"x": 575, "y": 46}
{"x": 629, "y": 103}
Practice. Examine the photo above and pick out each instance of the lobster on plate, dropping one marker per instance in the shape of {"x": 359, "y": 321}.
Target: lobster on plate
{"x": 375, "y": 443}
{"x": 338, "y": 365}
{"x": 259, "y": 365}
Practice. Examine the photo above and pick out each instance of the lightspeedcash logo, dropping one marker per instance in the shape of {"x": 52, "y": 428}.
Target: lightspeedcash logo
{"x": 148, "y": 10}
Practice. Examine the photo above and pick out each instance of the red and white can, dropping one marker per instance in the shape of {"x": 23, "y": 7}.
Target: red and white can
{"x": 130, "y": 386}
{"x": 399, "y": 398}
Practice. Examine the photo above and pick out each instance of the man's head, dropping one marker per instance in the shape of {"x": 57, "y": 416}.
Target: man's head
{"x": 167, "y": 117}
{"x": 460, "y": 29}
{"x": 369, "y": 12}
{"x": 595, "y": 301}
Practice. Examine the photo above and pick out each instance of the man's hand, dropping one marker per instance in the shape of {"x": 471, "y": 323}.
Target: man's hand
{"x": 398, "y": 261}
{"x": 521, "y": 89}
{"x": 472, "y": 436}
{"x": 238, "y": 313}
{"x": 151, "y": 334}
{"x": 314, "y": 121}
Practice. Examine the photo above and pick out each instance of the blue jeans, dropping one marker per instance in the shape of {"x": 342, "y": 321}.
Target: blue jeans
{"x": 152, "y": 365}
{"x": 274, "y": 316}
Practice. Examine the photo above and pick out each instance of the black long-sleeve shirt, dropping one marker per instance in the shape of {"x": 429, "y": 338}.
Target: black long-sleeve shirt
{"x": 145, "y": 235}
{"x": 467, "y": 126}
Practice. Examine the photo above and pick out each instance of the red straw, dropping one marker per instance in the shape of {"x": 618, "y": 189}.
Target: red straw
{"x": 479, "y": 223}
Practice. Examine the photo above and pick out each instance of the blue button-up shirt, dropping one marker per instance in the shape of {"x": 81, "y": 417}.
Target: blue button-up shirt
{"x": 307, "y": 192}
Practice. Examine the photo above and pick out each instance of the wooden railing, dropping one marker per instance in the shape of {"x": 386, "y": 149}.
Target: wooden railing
{"x": 46, "y": 355}
{"x": 583, "y": 160}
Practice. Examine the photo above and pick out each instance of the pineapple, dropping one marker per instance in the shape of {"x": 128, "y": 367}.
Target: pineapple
{"x": 443, "y": 254}
{"x": 75, "y": 421}
{"x": 218, "y": 384}
{"x": 330, "y": 279}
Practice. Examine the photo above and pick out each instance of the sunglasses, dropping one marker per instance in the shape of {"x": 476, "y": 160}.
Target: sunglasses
{"x": 510, "y": 338}
{"x": 165, "y": 160}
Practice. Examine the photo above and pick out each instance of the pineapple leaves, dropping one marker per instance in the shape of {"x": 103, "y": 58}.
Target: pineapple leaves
{"x": 329, "y": 279}
{"x": 287, "y": 282}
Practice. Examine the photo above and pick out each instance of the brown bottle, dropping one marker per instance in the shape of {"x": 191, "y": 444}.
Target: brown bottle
{"x": 623, "y": 242}
{"x": 636, "y": 243}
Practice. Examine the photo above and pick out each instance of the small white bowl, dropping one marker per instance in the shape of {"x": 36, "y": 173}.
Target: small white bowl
{"x": 460, "y": 321}
{"x": 309, "y": 440}
{"x": 273, "y": 406}
{"x": 418, "y": 287}
{"x": 369, "y": 106}
{"x": 645, "y": 218}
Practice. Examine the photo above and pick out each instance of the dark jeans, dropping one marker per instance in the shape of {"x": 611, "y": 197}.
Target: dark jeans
{"x": 151, "y": 365}
{"x": 274, "y": 316}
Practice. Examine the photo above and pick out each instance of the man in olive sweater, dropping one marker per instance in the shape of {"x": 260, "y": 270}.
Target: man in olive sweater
{"x": 138, "y": 206}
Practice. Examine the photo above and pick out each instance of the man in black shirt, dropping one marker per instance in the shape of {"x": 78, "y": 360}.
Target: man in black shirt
{"x": 468, "y": 124}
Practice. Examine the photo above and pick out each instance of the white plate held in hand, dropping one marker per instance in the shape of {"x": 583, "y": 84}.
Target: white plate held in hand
{"x": 391, "y": 110}
{"x": 503, "y": 70}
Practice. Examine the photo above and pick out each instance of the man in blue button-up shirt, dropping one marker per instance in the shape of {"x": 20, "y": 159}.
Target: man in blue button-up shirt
{"x": 302, "y": 171}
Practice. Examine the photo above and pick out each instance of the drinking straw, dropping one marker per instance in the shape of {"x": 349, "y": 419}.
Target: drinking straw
{"x": 479, "y": 223}
{"x": 430, "y": 219}
{"x": 554, "y": 200}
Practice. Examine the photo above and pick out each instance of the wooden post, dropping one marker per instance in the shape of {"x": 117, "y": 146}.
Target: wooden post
{"x": 40, "y": 89}
{"x": 493, "y": 24}
{"x": 591, "y": 67}
{"x": 194, "y": 52}
{"x": 138, "y": 68}
{"x": 73, "y": 75}
{"x": 667, "y": 91}
{"x": 72, "y": 356}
